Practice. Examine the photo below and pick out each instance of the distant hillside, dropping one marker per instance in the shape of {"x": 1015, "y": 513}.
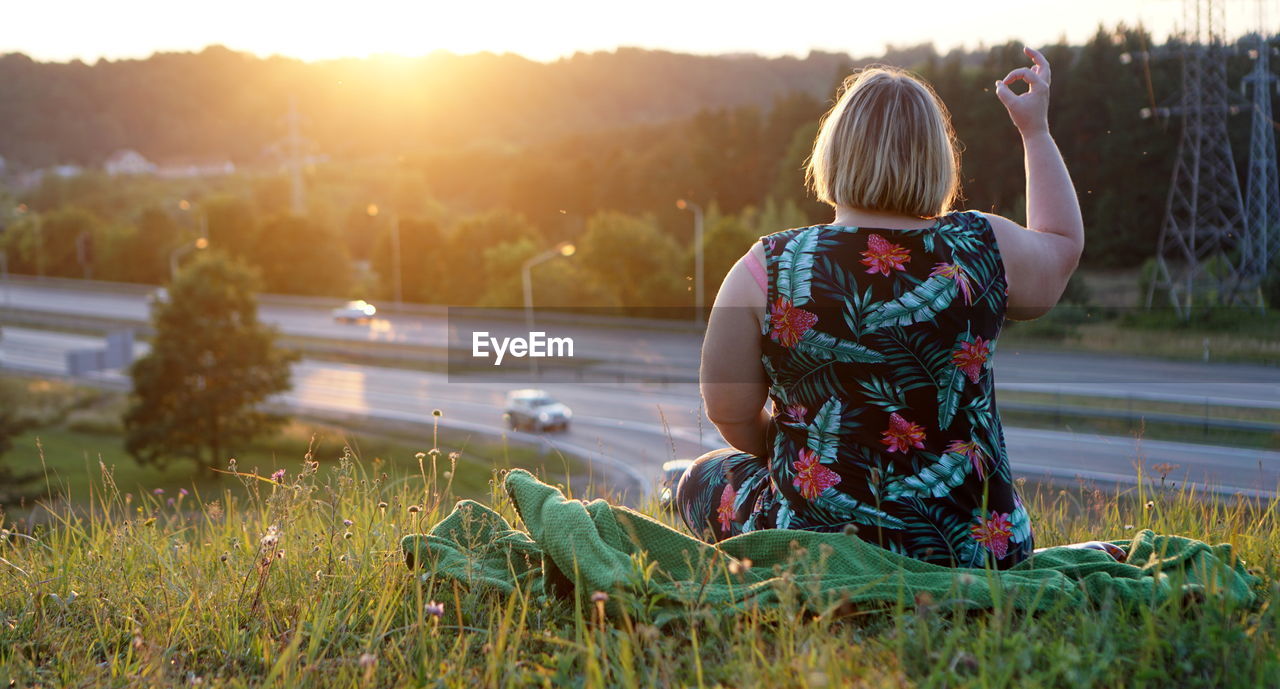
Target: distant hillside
{"x": 227, "y": 104}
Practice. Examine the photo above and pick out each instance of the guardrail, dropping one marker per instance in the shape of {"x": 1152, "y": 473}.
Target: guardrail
{"x": 326, "y": 304}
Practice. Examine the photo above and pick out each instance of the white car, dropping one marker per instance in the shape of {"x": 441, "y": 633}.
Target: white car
{"x": 534, "y": 410}
{"x": 355, "y": 312}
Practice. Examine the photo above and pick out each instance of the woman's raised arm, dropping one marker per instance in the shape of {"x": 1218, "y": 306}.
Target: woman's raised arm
{"x": 1039, "y": 258}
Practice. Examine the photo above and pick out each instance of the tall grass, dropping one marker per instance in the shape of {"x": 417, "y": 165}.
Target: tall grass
{"x": 302, "y": 583}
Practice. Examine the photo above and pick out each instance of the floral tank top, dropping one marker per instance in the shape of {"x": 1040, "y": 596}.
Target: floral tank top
{"x": 878, "y": 347}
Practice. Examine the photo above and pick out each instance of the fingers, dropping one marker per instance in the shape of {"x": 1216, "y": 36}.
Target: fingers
{"x": 1005, "y": 94}
{"x": 1042, "y": 65}
{"x": 1025, "y": 74}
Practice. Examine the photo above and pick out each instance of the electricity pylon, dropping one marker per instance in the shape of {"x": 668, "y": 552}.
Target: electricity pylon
{"x": 1204, "y": 212}
{"x": 1262, "y": 200}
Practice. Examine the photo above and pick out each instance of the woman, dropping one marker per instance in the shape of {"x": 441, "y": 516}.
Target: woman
{"x": 873, "y": 337}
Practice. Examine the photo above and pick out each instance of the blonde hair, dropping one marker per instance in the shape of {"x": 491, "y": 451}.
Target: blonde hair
{"x": 886, "y": 145}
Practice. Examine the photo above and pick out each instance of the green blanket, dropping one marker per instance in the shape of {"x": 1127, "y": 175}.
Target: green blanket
{"x": 574, "y": 547}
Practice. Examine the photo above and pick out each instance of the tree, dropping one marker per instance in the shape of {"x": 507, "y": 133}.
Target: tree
{"x": 635, "y": 261}
{"x": 297, "y": 256}
{"x": 196, "y": 395}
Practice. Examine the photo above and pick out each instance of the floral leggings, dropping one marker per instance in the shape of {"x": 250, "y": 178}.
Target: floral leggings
{"x": 699, "y": 497}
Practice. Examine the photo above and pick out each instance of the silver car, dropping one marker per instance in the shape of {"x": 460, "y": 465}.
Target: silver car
{"x": 535, "y": 410}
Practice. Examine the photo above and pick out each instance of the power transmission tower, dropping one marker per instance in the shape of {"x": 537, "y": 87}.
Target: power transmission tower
{"x": 1204, "y": 212}
{"x": 1262, "y": 201}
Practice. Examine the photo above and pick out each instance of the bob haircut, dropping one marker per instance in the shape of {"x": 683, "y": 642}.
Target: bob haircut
{"x": 886, "y": 145}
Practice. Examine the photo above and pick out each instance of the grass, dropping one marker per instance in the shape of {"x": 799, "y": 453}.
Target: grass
{"x": 301, "y": 584}
{"x": 74, "y": 429}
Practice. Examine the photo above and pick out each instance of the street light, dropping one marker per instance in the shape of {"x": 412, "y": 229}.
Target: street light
{"x": 698, "y": 301}
{"x": 372, "y": 210}
{"x": 199, "y": 244}
{"x": 565, "y": 249}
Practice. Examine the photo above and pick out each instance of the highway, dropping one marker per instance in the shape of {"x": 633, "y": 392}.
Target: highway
{"x": 676, "y": 351}
{"x": 629, "y": 430}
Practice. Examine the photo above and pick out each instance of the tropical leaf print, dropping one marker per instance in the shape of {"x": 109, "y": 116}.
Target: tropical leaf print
{"x": 807, "y": 378}
{"x": 920, "y": 304}
{"x": 935, "y": 480}
{"x": 884, "y": 394}
{"x": 952, "y": 376}
{"x": 824, "y": 432}
{"x": 1019, "y": 522}
{"x": 935, "y": 534}
{"x": 841, "y": 507}
{"x": 913, "y": 357}
{"x": 824, "y": 345}
{"x": 795, "y": 266}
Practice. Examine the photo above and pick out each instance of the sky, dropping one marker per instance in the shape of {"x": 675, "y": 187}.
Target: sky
{"x": 62, "y": 30}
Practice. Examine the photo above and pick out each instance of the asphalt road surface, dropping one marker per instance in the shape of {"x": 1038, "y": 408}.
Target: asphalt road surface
{"x": 678, "y": 350}
{"x": 630, "y": 430}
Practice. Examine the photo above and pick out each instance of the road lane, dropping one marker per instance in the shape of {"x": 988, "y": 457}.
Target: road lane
{"x": 631, "y": 429}
{"x": 1067, "y": 373}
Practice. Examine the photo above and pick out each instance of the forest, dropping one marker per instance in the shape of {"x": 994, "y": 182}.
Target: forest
{"x": 482, "y": 161}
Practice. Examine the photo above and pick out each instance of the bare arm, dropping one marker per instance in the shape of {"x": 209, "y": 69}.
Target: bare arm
{"x": 1039, "y": 258}
{"x": 733, "y": 382}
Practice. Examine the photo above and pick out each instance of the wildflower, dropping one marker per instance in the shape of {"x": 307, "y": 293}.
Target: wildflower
{"x": 902, "y": 434}
{"x": 420, "y": 455}
{"x": 882, "y": 255}
{"x": 231, "y": 464}
{"x": 414, "y": 509}
{"x": 347, "y": 522}
{"x": 599, "y": 597}
{"x": 971, "y": 356}
{"x": 740, "y": 566}
{"x": 1150, "y": 504}
{"x": 437, "y": 413}
{"x": 1128, "y": 527}
{"x": 382, "y": 505}
{"x": 158, "y": 491}
{"x": 346, "y": 535}
{"x": 169, "y": 502}
{"x": 368, "y": 660}
{"x": 812, "y": 478}
{"x": 447, "y": 475}
{"x": 788, "y": 324}
{"x": 272, "y": 536}
{"x": 183, "y": 492}
{"x": 278, "y": 476}
{"x": 223, "y": 557}
{"x": 434, "y": 609}
{"x": 851, "y": 530}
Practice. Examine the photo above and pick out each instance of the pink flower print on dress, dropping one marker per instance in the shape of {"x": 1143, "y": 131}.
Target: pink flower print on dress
{"x": 788, "y": 323}
{"x": 883, "y": 255}
{"x": 955, "y": 272}
{"x": 902, "y": 434}
{"x": 972, "y": 356}
{"x": 994, "y": 533}
{"x": 725, "y": 511}
{"x": 811, "y": 477}
{"x": 973, "y": 453}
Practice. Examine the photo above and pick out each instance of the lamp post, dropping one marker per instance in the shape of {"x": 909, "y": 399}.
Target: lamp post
{"x": 565, "y": 249}
{"x": 198, "y": 244}
{"x": 396, "y": 279}
{"x": 698, "y": 300}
